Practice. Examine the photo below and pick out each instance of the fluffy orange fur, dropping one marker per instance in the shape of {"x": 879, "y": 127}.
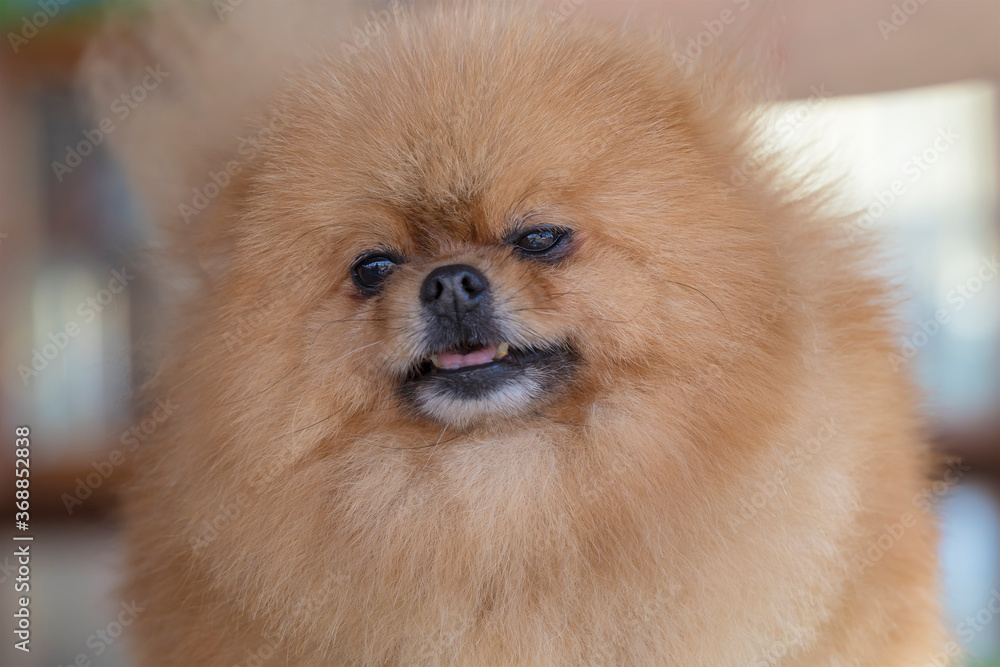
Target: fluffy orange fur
{"x": 704, "y": 489}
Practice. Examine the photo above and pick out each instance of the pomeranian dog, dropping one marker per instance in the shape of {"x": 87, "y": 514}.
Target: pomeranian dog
{"x": 483, "y": 357}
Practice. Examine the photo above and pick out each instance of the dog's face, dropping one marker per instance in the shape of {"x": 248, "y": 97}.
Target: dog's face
{"x": 502, "y": 245}
{"x": 466, "y": 333}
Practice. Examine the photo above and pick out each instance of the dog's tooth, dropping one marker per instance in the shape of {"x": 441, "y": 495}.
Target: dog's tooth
{"x": 434, "y": 360}
{"x": 502, "y": 349}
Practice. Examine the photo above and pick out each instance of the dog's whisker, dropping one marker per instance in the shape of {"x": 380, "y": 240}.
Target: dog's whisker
{"x": 712, "y": 301}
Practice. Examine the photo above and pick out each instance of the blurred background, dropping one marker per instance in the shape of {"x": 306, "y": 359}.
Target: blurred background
{"x": 901, "y": 98}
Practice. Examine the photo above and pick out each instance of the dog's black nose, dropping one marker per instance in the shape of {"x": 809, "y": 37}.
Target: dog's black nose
{"x": 452, "y": 291}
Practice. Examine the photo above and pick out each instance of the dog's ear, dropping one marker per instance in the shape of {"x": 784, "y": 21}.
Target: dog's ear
{"x": 208, "y": 70}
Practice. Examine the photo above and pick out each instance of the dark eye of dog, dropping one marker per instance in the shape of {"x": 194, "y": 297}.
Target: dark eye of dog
{"x": 371, "y": 270}
{"x": 540, "y": 240}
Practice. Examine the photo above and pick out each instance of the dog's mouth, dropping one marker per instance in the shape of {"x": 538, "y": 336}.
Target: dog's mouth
{"x": 460, "y": 382}
{"x": 469, "y": 359}
{"x": 466, "y": 358}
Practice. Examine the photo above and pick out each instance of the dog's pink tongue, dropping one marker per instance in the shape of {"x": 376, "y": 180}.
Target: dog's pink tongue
{"x": 453, "y": 360}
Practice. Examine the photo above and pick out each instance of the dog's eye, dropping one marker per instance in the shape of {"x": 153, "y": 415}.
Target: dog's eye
{"x": 540, "y": 240}
{"x": 369, "y": 271}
